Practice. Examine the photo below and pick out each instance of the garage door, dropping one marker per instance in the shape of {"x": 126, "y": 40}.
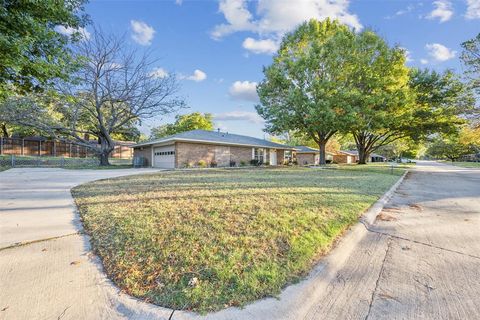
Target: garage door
{"x": 164, "y": 157}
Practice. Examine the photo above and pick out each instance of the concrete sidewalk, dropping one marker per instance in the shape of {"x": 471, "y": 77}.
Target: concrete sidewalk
{"x": 419, "y": 260}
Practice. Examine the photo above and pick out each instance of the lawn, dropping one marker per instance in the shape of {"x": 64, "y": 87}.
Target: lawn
{"x": 465, "y": 164}
{"x": 204, "y": 240}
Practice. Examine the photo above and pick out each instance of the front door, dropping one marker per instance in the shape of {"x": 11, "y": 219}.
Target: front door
{"x": 273, "y": 157}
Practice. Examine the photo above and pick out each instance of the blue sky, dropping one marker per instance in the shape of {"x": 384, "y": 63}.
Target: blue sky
{"x": 218, "y": 48}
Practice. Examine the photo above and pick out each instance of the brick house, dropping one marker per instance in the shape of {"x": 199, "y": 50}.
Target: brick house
{"x": 351, "y": 156}
{"x": 207, "y": 148}
{"x": 310, "y": 156}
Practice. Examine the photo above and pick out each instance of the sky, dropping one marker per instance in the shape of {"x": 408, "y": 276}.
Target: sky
{"x": 217, "y": 49}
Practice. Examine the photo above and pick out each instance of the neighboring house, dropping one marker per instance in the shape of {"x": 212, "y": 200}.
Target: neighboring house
{"x": 191, "y": 148}
{"x": 351, "y": 156}
{"x": 310, "y": 156}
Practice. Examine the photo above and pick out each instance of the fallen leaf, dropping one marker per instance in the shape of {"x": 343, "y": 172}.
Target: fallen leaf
{"x": 74, "y": 263}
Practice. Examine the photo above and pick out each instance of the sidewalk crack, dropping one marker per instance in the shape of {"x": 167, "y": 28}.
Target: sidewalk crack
{"x": 378, "y": 278}
{"x": 26, "y": 243}
{"x": 369, "y": 229}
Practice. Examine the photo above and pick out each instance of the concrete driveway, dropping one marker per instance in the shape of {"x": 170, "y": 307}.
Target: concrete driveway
{"x": 46, "y": 268}
{"x": 419, "y": 260}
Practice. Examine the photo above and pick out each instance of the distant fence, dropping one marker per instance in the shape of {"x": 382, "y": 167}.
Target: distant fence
{"x": 24, "y": 161}
{"x": 52, "y": 148}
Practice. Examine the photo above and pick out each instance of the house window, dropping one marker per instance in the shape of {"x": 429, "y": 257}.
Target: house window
{"x": 259, "y": 154}
{"x": 288, "y": 156}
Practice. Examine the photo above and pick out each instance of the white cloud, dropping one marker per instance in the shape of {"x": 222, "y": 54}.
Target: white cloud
{"x": 178, "y": 2}
{"x": 244, "y": 90}
{"x": 69, "y": 31}
{"x": 260, "y": 46}
{"x": 159, "y": 73}
{"x": 274, "y": 18}
{"x": 473, "y": 9}
{"x": 239, "y": 115}
{"x": 142, "y": 32}
{"x": 408, "y": 54}
{"x": 439, "y": 52}
{"x": 423, "y": 61}
{"x": 197, "y": 76}
{"x": 443, "y": 11}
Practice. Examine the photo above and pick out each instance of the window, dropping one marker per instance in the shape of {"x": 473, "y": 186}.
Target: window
{"x": 165, "y": 153}
{"x": 259, "y": 154}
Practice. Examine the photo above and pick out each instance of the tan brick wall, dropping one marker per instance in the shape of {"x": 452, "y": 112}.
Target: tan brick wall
{"x": 194, "y": 152}
{"x": 305, "y": 158}
{"x": 280, "y": 156}
{"x": 145, "y": 152}
{"x": 239, "y": 154}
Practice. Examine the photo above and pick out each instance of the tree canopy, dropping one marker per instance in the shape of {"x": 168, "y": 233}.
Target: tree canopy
{"x": 33, "y": 54}
{"x": 306, "y": 89}
{"x": 183, "y": 123}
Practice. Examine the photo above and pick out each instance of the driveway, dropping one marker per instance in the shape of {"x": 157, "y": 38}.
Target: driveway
{"x": 46, "y": 268}
{"x": 419, "y": 260}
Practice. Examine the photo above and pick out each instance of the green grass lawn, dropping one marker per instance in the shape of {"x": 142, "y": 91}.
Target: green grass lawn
{"x": 204, "y": 240}
{"x": 465, "y": 164}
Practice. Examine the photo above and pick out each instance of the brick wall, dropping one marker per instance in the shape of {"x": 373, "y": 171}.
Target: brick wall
{"x": 239, "y": 154}
{"x": 305, "y": 158}
{"x": 145, "y": 152}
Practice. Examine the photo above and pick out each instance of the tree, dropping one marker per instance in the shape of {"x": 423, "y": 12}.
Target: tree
{"x": 379, "y": 81}
{"x": 33, "y": 54}
{"x": 183, "y": 123}
{"x": 115, "y": 90}
{"x": 471, "y": 59}
{"x": 453, "y": 146}
{"x": 305, "y": 88}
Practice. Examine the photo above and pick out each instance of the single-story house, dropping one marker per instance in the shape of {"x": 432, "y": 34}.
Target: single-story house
{"x": 351, "y": 156}
{"x": 202, "y": 147}
{"x": 310, "y": 156}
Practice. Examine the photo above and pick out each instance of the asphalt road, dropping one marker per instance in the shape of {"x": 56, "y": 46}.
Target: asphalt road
{"x": 419, "y": 260}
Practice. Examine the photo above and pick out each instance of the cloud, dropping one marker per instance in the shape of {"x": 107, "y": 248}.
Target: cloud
{"x": 439, "y": 52}
{"x": 423, "y": 61}
{"x": 239, "y": 115}
{"x": 473, "y": 9}
{"x": 274, "y": 18}
{"x": 142, "y": 32}
{"x": 197, "y": 76}
{"x": 69, "y": 31}
{"x": 159, "y": 73}
{"x": 408, "y": 54}
{"x": 260, "y": 46}
{"x": 244, "y": 90}
{"x": 443, "y": 11}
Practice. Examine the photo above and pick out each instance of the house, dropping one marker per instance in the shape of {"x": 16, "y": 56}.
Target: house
{"x": 351, "y": 156}
{"x": 310, "y": 156}
{"x": 210, "y": 148}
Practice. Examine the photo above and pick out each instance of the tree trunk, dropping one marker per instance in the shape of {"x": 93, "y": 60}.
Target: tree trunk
{"x": 322, "y": 148}
{"x": 363, "y": 154}
{"x": 105, "y": 149}
{"x": 5, "y": 130}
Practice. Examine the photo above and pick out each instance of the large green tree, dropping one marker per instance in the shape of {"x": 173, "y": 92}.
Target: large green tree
{"x": 306, "y": 88}
{"x": 380, "y": 93}
{"x": 32, "y": 53}
{"x": 183, "y": 123}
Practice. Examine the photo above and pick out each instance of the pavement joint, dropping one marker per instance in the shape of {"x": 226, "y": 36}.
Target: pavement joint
{"x": 417, "y": 242}
{"x": 26, "y": 243}
{"x": 378, "y": 278}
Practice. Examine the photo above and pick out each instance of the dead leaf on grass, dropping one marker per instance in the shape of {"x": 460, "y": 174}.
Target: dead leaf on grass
{"x": 387, "y": 296}
{"x": 383, "y": 216}
{"x": 5, "y": 308}
{"x": 73, "y": 263}
{"x": 44, "y": 249}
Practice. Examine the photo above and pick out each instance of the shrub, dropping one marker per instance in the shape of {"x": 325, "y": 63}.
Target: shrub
{"x": 232, "y": 163}
{"x": 328, "y": 161}
{"x": 254, "y": 162}
{"x": 202, "y": 164}
{"x": 213, "y": 164}
{"x": 187, "y": 165}
{"x": 267, "y": 163}
{"x": 243, "y": 163}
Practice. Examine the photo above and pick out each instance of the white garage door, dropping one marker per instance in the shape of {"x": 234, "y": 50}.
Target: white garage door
{"x": 164, "y": 157}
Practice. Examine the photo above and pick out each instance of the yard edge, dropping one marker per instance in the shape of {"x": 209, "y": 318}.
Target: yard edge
{"x": 292, "y": 303}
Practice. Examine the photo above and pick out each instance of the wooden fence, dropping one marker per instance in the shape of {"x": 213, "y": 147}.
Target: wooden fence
{"x": 51, "y": 148}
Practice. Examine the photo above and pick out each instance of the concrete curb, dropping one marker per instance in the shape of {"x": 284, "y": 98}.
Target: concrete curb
{"x": 296, "y": 300}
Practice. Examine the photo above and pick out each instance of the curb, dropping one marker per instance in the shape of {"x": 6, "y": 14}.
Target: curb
{"x": 296, "y": 300}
